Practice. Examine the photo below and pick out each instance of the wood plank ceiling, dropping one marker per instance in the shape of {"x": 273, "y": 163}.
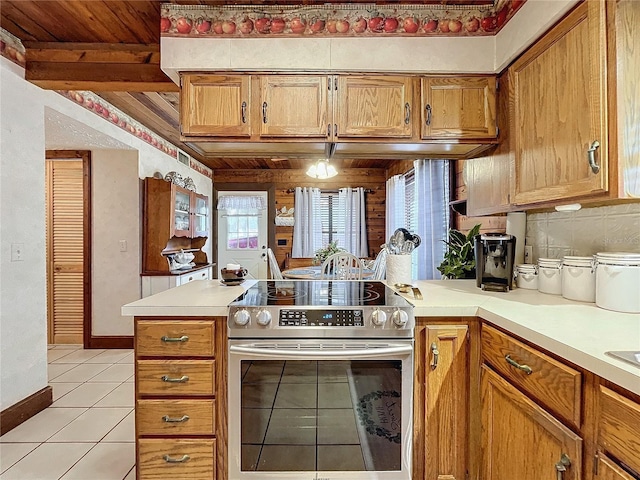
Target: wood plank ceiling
{"x": 72, "y": 40}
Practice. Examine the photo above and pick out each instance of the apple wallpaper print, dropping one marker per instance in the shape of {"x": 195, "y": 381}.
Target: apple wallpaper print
{"x": 336, "y": 20}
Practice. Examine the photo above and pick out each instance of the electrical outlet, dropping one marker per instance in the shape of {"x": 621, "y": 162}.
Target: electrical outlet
{"x": 17, "y": 252}
{"x": 528, "y": 254}
{"x": 123, "y": 245}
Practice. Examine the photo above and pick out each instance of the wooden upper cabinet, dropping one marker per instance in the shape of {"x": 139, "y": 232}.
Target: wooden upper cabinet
{"x": 216, "y": 105}
{"x": 294, "y": 106}
{"x": 607, "y": 469}
{"x": 458, "y": 107}
{"x": 561, "y": 111}
{"x": 373, "y": 106}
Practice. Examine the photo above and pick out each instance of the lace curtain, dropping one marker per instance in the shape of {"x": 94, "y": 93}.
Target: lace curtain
{"x": 432, "y": 202}
{"x": 241, "y": 202}
{"x": 351, "y": 207}
{"x": 307, "y": 229}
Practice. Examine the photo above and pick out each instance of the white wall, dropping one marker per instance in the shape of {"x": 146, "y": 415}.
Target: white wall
{"x": 116, "y": 217}
{"x": 33, "y": 120}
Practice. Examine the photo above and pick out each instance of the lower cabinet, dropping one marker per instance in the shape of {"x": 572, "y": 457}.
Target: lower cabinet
{"x": 442, "y": 402}
{"x": 520, "y": 440}
{"x": 152, "y": 284}
{"x": 181, "y": 401}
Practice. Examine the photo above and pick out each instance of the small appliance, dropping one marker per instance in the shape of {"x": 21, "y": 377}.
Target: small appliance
{"x": 494, "y": 254}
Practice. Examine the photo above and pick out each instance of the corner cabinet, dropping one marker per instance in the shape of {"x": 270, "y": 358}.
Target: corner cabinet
{"x": 458, "y": 107}
{"x": 441, "y": 400}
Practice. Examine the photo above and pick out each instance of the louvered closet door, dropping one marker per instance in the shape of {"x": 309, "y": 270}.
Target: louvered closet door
{"x": 65, "y": 297}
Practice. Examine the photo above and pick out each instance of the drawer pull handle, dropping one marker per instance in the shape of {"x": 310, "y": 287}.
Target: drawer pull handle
{"x": 436, "y": 354}
{"x": 169, "y": 459}
{"x": 183, "y": 338}
{"x": 168, "y": 419}
{"x": 525, "y": 368}
{"x": 591, "y": 156}
{"x": 168, "y": 379}
{"x": 562, "y": 465}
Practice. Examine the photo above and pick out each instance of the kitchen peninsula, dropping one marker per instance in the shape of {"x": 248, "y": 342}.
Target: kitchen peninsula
{"x": 555, "y": 378}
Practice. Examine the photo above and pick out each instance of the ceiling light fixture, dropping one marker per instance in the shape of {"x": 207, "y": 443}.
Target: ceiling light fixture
{"x": 322, "y": 169}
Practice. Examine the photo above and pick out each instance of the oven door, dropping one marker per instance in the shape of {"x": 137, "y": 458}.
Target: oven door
{"x": 320, "y": 409}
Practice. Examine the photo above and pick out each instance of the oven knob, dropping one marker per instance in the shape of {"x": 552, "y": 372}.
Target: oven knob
{"x": 264, "y": 318}
{"x": 242, "y": 317}
{"x": 378, "y": 317}
{"x": 400, "y": 318}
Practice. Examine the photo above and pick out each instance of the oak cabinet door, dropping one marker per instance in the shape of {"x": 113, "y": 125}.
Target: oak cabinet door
{"x": 216, "y": 105}
{"x": 294, "y": 106}
{"x": 446, "y": 367}
{"x": 606, "y": 469}
{"x": 374, "y": 106}
{"x": 561, "y": 111}
{"x": 520, "y": 439}
{"x": 458, "y": 107}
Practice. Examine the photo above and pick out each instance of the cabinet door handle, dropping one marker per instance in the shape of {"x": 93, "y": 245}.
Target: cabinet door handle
{"x": 591, "y": 156}
{"x": 168, "y": 379}
{"x": 525, "y": 368}
{"x": 264, "y": 112}
{"x": 168, "y": 419}
{"x": 328, "y": 130}
{"x": 244, "y": 112}
{"x": 183, "y": 338}
{"x": 428, "y": 110}
{"x": 407, "y": 113}
{"x": 562, "y": 465}
{"x": 436, "y": 354}
{"x": 169, "y": 459}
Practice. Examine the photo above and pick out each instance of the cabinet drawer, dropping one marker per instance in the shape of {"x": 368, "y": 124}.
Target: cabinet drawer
{"x": 619, "y": 427}
{"x": 189, "y": 338}
{"x": 175, "y": 377}
{"x": 175, "y": 417}
{"x": 553, "y": 384}
{"x": 190, "y": 277}
{"x": 155, "y": 459}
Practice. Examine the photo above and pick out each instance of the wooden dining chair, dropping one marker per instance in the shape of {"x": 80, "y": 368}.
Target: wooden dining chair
{"x": 341, "y": 266}
{"x": 276, "y": 273}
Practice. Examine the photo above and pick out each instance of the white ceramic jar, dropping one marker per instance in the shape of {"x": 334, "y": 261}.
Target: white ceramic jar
{"x": 527, "y": 276}
{"x": 579, "y": 278}
{"x": 550, "y": 276}
{"x": 618, "y": 281}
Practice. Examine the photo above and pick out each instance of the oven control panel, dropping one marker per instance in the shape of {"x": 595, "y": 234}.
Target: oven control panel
{"x": 321, "y": 318}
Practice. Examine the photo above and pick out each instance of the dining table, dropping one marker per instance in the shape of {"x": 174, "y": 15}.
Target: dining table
{"x": 313, "y": 272}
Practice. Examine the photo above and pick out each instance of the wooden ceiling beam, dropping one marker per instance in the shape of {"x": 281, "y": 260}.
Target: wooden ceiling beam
{"x": 96, "y": 66}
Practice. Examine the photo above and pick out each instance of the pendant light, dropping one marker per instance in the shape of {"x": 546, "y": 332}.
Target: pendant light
{"x": 322, "y": 169}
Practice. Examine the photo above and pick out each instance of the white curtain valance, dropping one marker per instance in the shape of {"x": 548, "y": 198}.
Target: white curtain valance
{"x": 241, "y": 202}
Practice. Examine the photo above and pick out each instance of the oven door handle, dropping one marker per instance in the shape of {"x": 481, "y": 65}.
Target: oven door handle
{"x": 292, "y": 353}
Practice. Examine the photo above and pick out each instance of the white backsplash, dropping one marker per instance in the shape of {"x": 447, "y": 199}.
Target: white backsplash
{"x": 585, "y": 232}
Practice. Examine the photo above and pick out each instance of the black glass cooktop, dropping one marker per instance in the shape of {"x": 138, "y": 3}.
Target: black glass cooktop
{"x": 318, "y": 293}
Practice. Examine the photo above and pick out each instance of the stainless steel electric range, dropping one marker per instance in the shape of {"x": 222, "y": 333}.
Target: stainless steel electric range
{"x": 320, "y": 382}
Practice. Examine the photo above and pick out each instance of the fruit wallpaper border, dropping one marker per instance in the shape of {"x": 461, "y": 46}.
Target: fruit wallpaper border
{"x": 337, "y": 20}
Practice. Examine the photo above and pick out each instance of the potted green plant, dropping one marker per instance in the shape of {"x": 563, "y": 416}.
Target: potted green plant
{"x": 459, "y": 259}
{"x": 323, "y": 253}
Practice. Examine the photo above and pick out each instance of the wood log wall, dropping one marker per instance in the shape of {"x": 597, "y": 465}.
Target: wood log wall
{"x": 284, "y": 179}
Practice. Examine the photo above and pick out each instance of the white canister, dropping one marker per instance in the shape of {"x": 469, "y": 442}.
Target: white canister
{"x": 550, "y": 276}
{"x": 579, "y": 278}
{"x": 618, "y": 281}
{"x": 527, "y": 276}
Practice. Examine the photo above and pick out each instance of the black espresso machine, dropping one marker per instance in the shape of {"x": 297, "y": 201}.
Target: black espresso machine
{"x": 494, "y": 261}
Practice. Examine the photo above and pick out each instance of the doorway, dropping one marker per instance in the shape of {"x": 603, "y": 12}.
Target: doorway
{"x": 68, "y": 239}
{"x": 243, "y": 231}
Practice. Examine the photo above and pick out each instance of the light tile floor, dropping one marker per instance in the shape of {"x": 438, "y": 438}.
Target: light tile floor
{"x": 88, "y": 431}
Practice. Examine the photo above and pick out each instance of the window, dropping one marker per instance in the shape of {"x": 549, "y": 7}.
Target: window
{"x": 242, "y": 231}
{"x": 332, "y": 219}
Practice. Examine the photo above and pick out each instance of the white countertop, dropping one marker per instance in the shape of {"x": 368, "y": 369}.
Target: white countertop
{"x": 578, "y": 332}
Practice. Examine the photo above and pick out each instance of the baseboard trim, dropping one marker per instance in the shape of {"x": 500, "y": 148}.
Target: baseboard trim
{"x": 110, "y": 342}
{"x": 26, "y": 408}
